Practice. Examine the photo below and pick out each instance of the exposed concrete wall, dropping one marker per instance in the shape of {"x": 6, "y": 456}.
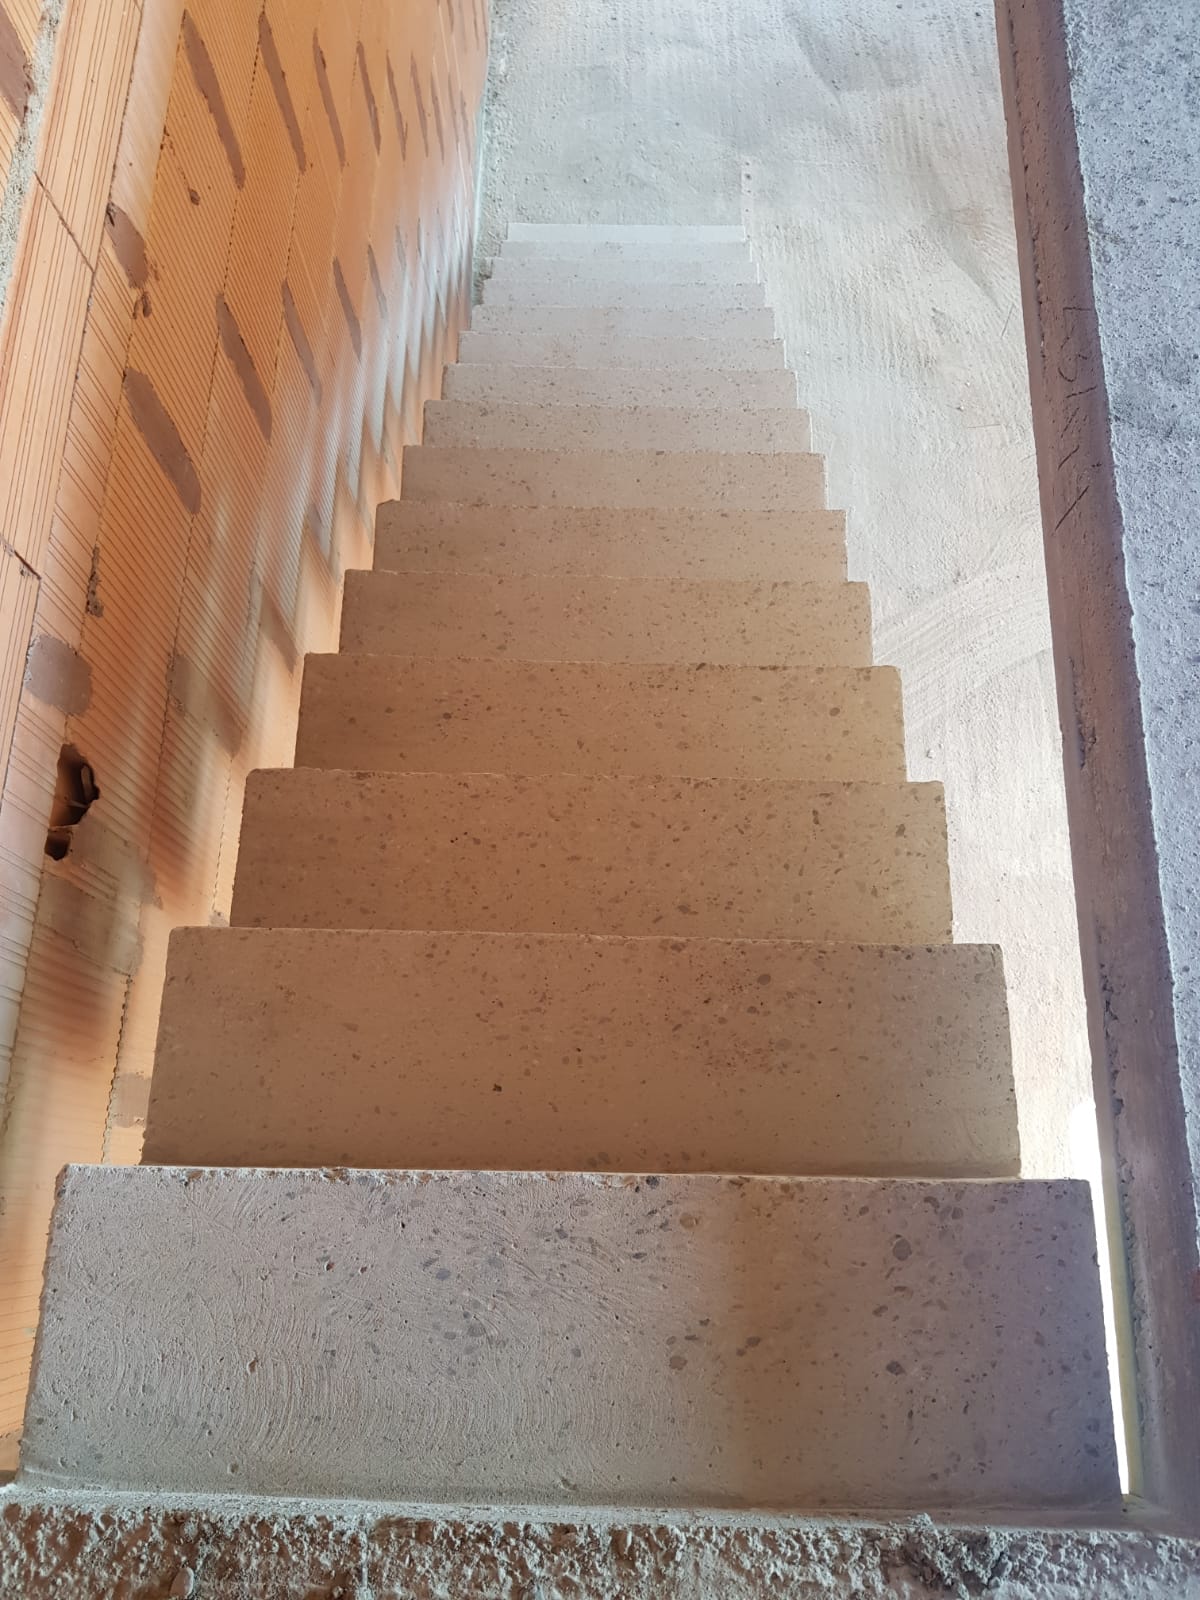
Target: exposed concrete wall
{"x": 1106, "y": 167}
{"x": 243, "y": 257}
{"x": 863, "y": 145}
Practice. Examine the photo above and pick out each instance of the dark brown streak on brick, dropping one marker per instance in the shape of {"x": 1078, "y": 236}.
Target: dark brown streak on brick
{"x": 323, "y": 84}
{"x": 422, "y": 118}
{"x": 242, "y": 363}
{"x": 279, "y": 83}
{"x": 377, "y": 281}
{"x": 368, "y": 95}
{"x": 295, "y": 328}
{"x": 128, "y": 246}
{"x": 166, "y": 445}
{"x": 343, "y": 294}
{"x": 209, "y": 86}
{"x": 437, "y": 116}
{"x": 16, "y": 76}
{"x": 401, "y": 125}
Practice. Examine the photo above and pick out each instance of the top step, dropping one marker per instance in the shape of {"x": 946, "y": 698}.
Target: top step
{"x": 627, "y": 233}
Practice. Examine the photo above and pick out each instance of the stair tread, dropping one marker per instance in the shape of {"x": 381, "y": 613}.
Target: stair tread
{"x": 597, "y": 540}
{"x": 627, "y": 322}
{"x": 617, "y": 385}
{"x": 757, "y": 1341}
{"x": 568, "y": 853}
{"x": 581, "y": 1052}
{"x": 606, "y": 619}
{"x": 622, "y": 350}
{"x": 484, "y": 424}
{"x": 454, "y": 714}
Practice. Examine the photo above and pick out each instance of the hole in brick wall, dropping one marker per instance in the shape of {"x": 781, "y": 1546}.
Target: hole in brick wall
{"x": 75, "y": 791}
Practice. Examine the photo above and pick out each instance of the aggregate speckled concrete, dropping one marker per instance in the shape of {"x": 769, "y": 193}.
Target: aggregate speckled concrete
{"x": 445, "y": 536}
{"x": 544, "y": 269}
{"x": 858, "y": 862}
{"x": 706, "y": 479}
{"x": 515, "y": 288}
{"x": 606, "y": 619}
{"x": 620, "y": 386}
{"x": 598, "y": 321}
{"x": 281, "y": 1048}
{"x": 622, "y": 350}
{"x": 497, "y": 425}
{"x": 604, "y": 251}
{"x": 397, "y": 713}
{"x": 817, "y": 1342}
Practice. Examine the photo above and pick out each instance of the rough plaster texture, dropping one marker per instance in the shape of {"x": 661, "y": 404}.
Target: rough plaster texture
{"x": 1106, "y": 167}
{"x": 649, "y": 620}
{"x": 452, "y": 537}
{"x": 752, "y": 1341}
{"x": 128, "y": 1547}
{"x": 862, "y": 143}
{"x": 391, "y": 713}
{"x": 280, "y": 1047}
{"x": 566, "y": 854}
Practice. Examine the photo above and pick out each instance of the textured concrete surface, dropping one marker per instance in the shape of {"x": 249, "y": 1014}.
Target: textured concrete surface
{"x": 665, "y": 249}
{"x": 704, "y": 479}
{"x": 673, "y": 234}
{"x": 1105, "y": 133}
{"x": 524, "y": 288}
{"x": 94, "y": 1546}
{"x": 600, "y": 321}
{"x": 693, "y": 352}
{"x": 561, "y": 854}
{"x": 647, "y": 386}
{"x": 753, "y": 1341}
{"x": 536, "y": 272}
{"x": 392, "y": 713}
{"x": 660, "y": 620}
{"x": 281, "y": 1048}
{"x": 444, "y": 536}
{"x": 627, "y": 427}
{"x": 862, "y": 145}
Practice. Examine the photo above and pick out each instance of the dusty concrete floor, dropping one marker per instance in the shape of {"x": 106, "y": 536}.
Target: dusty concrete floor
{"x": 863, "y": 144}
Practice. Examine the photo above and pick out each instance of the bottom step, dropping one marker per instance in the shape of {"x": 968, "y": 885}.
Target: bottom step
{"x": 569, "y": 1338}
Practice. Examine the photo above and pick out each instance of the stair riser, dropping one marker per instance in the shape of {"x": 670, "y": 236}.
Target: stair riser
{"x": 632, "y": 322}
{"x": 587, "y": 293}
{"x": 515, "y": 1338}
{"x": 622, "y": 350}
{"x": 492, "y": 426}
{"x": 616, "y": 271}
{"x": 576, "y": 250}
{"x": 620, "y": 386}
{"x": 385, "y": 713}
{"x": 281, "y": 1049}
{"x": 549, "y": 619}
{"x": 440, "y": 536}
{"x": 866, "y": 863}
{"x": 703, "y": 479}
{"x": 668, "y": 233}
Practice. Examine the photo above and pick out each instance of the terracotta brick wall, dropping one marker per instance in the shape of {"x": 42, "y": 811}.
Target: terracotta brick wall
{"x": 244, "y": 254}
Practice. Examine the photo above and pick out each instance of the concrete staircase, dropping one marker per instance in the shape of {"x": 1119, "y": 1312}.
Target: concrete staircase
{"x": 588, "y": 1105}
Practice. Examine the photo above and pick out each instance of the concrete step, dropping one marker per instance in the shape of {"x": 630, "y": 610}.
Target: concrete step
{"x": 736, "y": 354}
{"x": 707, "y": 858}
{"x": 521, "y": 1337}
{"x": 627, "y": 233}
{"x": 620, "y": 386}
{"x": 606, "y": 619}
{"x": 393, "y": 713}
{"x": 768, "y": 545}
{"x": 618, "y": 271}
{"x": 301, "y": 1048}
{"x": 644, "y": 250}
{"x": 706, "y": 479}
{"x": 520, "y": 289}
{"x": 495, "y": 425}
{"x": 625, "y": 322}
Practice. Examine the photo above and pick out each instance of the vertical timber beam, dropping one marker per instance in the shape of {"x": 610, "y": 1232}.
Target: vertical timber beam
{"x": 1104, "y": 138}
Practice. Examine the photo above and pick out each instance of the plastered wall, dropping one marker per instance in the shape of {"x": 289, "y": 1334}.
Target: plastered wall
{"x": 235, "y": 248}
